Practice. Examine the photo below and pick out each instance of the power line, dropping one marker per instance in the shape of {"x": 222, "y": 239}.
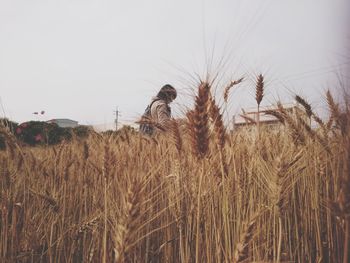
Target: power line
{"x": 117, "y": 114}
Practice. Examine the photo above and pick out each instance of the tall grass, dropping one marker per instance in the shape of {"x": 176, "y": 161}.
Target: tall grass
{"x": 195, "y": 194}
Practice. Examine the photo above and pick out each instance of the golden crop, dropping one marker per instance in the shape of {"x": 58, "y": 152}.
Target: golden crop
{"x": 196, "y": 193}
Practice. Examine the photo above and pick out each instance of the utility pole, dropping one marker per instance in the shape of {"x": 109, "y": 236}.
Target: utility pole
{"x": 117, "y": 114}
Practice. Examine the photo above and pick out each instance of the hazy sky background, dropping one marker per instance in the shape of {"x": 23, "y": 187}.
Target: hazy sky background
{"x": 79, "y": 59}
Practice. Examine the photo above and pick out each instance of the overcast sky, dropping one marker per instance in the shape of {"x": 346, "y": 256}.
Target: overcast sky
{"x": 80, "y": 59}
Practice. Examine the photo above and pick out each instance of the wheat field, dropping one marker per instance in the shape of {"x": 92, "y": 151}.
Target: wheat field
{"x": 195, "y": 193}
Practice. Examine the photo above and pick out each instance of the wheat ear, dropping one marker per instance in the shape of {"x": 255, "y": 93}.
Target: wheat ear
{"x": 220, "y": 132}
{"x": 305, "y": 104}
{"x": 241, "y": 253}
{"x": 128, "y": 223}
{"x": 229, "y": 87}
{"x": 198, "y": 122}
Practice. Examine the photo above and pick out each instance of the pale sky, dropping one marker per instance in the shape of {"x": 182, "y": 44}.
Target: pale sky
{"x": 80, "y": 59}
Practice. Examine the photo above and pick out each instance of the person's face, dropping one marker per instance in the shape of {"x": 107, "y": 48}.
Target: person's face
{"x": 171, "y": 98}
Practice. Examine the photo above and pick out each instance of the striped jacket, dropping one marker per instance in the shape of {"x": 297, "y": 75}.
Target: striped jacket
{"x": 160, "y": 112}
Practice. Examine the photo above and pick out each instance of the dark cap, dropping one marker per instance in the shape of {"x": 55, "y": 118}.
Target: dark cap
{"x": 167, "y": 92}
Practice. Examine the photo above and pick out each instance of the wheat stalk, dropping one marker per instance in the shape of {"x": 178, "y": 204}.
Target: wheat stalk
{"x": 295, "y": 130}
{"x": 333, "y": 106}
{"x": 259, "y": 89}
{"x": 220, "y": 132}
{"x": 241, "y": 253}
{"x": 229, "y": 87}
{"x": 175, "y": 132}
{"x": 128, "y": 223}
{"x": 219, "y": 128}
{"x": 276, "y": 114}
{"x": 198, "y": 122}
{"x": 305, "y": 104}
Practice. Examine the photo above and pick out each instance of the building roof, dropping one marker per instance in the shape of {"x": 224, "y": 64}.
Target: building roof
{"x": 252, "y": 114}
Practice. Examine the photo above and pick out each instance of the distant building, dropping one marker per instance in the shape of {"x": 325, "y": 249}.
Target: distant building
{"x": 250, "y": 117}
{"x": 64, "y": 123}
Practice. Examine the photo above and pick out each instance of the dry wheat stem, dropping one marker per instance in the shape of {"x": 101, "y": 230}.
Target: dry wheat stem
{"x": 229, "y": 87}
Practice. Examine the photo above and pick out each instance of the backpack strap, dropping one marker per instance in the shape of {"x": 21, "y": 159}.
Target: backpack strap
{"x": 167, "y": 106}
{"x": 150, "y": 106}
{"x": 144, "y": 127}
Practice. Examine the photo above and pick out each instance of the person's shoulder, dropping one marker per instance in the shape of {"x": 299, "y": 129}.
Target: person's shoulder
{"x": 158, "y": 102}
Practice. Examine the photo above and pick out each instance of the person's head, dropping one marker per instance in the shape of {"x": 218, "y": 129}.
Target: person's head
{"x": 167, "y": 93}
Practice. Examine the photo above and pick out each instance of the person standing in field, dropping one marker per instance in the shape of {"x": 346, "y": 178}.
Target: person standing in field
{"x": 158, "y": 112}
